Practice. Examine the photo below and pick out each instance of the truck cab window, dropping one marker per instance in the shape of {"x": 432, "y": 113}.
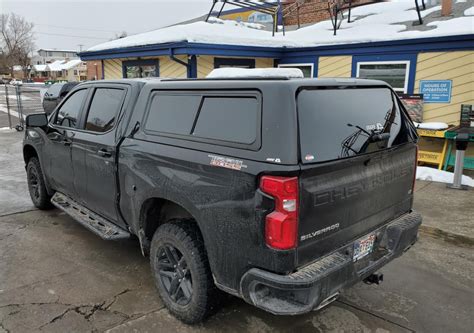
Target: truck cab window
{"x": 68, "y": 113}
{"x": 104, "y": 109}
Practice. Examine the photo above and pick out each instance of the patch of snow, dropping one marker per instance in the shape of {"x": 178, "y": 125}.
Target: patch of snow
{"x": 376, "y": 22}
{"x": 461, "y": 1}
{"x": 6, "y": 129}
{"x": 12, "y": 113}
{"x": 440, "y": 176}
{"x": 236, "y": 23}
{"x": 469, "y": 11}
{"x": 256, "y": 73}
{"x": 431, "y": 125}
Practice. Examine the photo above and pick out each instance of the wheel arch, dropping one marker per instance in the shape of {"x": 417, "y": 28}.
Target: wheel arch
{"x": 156, "y": 211}
{"x": 28, "y": 152}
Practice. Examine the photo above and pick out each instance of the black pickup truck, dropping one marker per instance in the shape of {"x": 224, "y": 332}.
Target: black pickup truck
{"x": 279, "y": 191}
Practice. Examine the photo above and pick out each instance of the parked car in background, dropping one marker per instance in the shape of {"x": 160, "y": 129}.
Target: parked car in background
{"x": 16, "y": 82}
{"x": 55, "y": 94}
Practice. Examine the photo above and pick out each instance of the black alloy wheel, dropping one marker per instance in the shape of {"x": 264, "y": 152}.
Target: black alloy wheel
{"x": 175, "y": 274}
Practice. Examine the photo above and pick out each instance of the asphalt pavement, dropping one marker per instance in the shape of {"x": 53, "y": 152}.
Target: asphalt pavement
{"x": 55, "y": 276}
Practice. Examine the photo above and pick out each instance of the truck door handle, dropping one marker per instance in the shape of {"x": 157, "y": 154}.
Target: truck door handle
{"x": 104, "y": 153}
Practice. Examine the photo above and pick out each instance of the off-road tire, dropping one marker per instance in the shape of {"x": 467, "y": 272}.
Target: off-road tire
{"x": 36, "y": 187}
{"x": 185, "y": 237}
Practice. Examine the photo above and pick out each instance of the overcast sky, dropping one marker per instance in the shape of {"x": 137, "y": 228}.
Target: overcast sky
{"x": 64, "y": 24}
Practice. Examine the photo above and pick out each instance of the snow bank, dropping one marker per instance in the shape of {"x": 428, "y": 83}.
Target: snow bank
{"x": 469, "y": 11}
{"x": 256, "y": 73}
{"x": 431, "y": 126}
{"x": 440, "y": 176}
{"x": 377, "y": 22}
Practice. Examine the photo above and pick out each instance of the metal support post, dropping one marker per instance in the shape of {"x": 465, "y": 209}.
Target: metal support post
{"x": 8, "y": 107}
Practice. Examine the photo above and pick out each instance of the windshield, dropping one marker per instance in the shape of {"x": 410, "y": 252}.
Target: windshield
{"x": 54, "y": 90}
{"x": 339, "y": 123}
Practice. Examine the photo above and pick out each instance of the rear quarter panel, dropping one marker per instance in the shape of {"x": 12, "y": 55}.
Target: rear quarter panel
{"x": 226, "y": 203}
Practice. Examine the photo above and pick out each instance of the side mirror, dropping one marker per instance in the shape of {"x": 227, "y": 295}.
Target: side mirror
{"x": 36, "y": 120}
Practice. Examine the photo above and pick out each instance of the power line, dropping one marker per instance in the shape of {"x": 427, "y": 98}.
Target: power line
{"x": 64, "y": 35}
{"x": 77, "y": 28}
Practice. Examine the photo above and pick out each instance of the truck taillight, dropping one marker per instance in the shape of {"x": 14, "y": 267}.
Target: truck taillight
{"x": 281, "y": 225}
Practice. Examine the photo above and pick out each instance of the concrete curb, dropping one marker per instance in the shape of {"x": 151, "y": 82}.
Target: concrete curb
{"x": 459, "y": 240}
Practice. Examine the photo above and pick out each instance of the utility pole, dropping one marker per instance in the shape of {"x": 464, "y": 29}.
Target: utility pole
{"x": 446, "y": 7}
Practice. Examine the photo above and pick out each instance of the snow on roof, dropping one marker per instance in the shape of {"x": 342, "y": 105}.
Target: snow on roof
{"x": 56, "y": 66}
{"x": 40, "y": 68}
{"x": 284, "y": 73}
{"x": 376, "y": 22}
{"x": 71, "y": 64}
{"x": 56, "y": 50}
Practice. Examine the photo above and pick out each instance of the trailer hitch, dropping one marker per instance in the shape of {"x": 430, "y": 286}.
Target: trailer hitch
{"x": 374, "y": 278}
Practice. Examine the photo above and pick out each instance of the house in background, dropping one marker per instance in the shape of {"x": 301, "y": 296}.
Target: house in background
{"x": 60, "y": 70}
{"x": 48, "y": 56}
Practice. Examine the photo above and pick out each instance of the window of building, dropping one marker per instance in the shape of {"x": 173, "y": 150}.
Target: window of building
{"x": 140, "y": 68}
{"x": 307, "y": 69}
{"x": 236, "y": 118}
{"x": 234, "y": 62}
{"x": 104, "y": 108}
{"x": 395, "y": 73}
{"x": 68, "y": 113}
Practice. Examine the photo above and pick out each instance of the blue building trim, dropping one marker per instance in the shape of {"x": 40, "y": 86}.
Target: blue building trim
{"x": 192, "y": 67}
{"x": 446, "y": 43}
{"x": 411, "y": 57}
{"x": 301, "y": 60}
{"x": 184, "y": 48}
{"x": 384, "y": 51}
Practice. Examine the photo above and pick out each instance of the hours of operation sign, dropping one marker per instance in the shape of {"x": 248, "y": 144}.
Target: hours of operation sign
{"x": 436, "y": 91}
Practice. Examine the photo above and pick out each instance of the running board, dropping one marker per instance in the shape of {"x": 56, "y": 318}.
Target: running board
{"x": 98, "y": 225}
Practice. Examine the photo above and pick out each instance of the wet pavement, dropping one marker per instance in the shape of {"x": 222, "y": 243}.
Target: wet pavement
{"x": 55, "y": 276}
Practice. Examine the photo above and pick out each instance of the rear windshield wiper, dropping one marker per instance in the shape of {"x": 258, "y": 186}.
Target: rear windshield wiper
{"x": 372, "y": 136}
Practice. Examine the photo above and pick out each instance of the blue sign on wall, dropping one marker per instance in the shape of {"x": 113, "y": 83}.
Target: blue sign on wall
{"x": 436, "y": 91}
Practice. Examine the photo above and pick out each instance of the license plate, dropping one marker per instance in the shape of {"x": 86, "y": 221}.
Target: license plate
{"x": 363, "y": 247}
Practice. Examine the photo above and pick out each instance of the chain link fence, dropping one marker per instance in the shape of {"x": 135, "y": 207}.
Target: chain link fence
{"x": 17, "y": 101}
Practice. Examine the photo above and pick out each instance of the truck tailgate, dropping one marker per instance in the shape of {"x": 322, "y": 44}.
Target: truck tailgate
{"x": 345, "y": 199}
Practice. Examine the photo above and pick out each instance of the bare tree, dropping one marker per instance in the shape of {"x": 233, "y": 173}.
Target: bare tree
{"x": 16, "y": 40}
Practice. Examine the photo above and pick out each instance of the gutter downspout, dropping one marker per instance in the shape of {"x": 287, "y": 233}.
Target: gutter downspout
{"x": 188, "y": 65}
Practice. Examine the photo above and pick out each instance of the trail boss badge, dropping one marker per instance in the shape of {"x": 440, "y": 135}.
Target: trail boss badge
{"x": 226, "y": 162}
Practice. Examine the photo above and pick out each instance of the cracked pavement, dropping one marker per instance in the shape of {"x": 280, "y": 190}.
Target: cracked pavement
{"x": 55, "y": 276}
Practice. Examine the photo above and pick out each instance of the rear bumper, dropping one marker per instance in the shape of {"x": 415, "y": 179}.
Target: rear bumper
{"x": 318, "y": 284}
